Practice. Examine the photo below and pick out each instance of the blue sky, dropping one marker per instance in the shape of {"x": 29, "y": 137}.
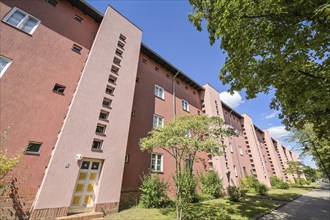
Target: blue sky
{"x": 167, "y": 31}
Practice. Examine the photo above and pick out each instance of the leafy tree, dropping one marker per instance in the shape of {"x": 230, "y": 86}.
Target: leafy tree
{"x": 182, "y": 139}
{"x": 7, "y": 163}
{"x": 310, "y": 173}
{"x": 275, "y": 44}
{"x": 211, "y": 183}
{"x": 295, "y": 168}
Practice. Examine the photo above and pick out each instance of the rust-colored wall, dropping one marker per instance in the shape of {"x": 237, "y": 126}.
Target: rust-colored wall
{"x": 28, "y": 104}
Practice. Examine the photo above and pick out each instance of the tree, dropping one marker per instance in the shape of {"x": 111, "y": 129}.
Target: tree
{"x": 295, "y": 168}
{"x": 280, "y": 45}
{"x": 7, "y": 163}
{"x": 310, "y": 173}
{"x": 182, "y": 139}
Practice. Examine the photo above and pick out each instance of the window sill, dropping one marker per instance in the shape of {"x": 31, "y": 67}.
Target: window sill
{"x": 111, "y": 94}
{"x": 108, "y": 107}
{"x": 112, "y": 83}
{"x": 31, "y": 153}
{"x": 158, "y": 172}
{"x": 97, "y": 150}
{"x": 105, "y": 120}
{"x": 163, "y": 99}
{"x": 186, "y": 110}
{"x": 100, "y": 134}
{"x": 59, "y": 93}
{"x": 29, "y": 34}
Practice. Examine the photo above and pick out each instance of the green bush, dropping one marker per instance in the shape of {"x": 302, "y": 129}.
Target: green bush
{"x": 261, "y": 189}
{"x": 187, "y": 183}
{"x": 277, "y": 183}
{"x": 248, "y": 182}
{"x": 203, "y": 197}
{"x": 153, "y": 192}
{"x": 234, "y": 193}
{"x": 211, "y": 184}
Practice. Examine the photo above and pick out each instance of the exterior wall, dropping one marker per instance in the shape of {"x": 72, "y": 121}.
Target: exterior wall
{"x": 282, "y": 158}
{"x": 28, "y": 105}
{"x": 145, "y": 105}
{"x": 78, "y": 132}
{"x": 256, "y": 158}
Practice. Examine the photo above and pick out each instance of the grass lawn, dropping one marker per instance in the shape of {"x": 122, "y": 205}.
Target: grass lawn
{"x": 249, "y": 208}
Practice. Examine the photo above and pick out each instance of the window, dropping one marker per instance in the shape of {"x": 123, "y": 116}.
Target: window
{"x": 235, "y": 170}
{"x": 107, "y": 102}
{"x": 52, "y": 2}
{"x": 116, "y": 61}
{"x": 159, "y": 92}
{"x": 167, "y": 76}
{"x": 178, "y": 82}
{"x": 144, "y": 61}
{"x": 4, "y": 64}
{"x": 78, "y": 18}
{"x": 104, "y": 115}
{"x": 137, "y": 80}
{"x": 100, "y": 129}
{"x": 157, "y": 68}
{"x": 186, "y": 87}
{"x": 156, "y": 162}
{"x": 158, "y": 122}
{"x": 189, "y": 164}
{"x": 109, "y": 90}
{"x": 76, "y": 48}
{"x": 127, "y": 156}
{"x": 114, "y": 69}
{"x": 231, "y": 147}
{"x": 185, "y": 105}
{"x": 240, "y": 150}
{"x": 120, "y": 45}
{"x": 33, "y": 148}
{"x": 97, "y": 144}
{"x": 122, "y": 37}
{"x": 112, "y": 79}
{"x": 22, "y": 20}
{"x": 59, "y": 89}
{"x": 119, "y": 52}
{"x": 133, "y": 113}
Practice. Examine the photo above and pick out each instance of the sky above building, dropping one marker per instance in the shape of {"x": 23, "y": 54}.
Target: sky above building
{"x": 167, "y": 31}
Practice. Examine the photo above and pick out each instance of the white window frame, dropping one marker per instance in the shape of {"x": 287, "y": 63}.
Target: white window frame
{"x": 185, "y": 105}
{"x": 235, "y": 170}
{"x": 231, "y": 148}
{"x": 22, "y": 22}
{"x": 156, "y": 162}
{"x": 9, "y": 61}
{"x": 240, "y": 150}
{"x": 157, "y": 118}
{"x": 159, "y": 92}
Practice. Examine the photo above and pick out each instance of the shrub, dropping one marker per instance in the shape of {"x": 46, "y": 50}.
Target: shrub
{"x": 248, "y": 182}
{"x": 187, "y": 183}
{"x": 234, "y": 193}
{"x": 203, "y": 197}
{"x": 261, "y": 189}
{"x": 153, "y": 192}
{"x": 277, "y": 183}
{"x": 211, "y": 184}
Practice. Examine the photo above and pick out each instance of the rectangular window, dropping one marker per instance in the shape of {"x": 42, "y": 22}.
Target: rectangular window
{"x": 127, "y": 156}
{"x": 235, "y": 171}
{"x": 157, "y": 68}
{"x": 122, "y": 37}
{"x": 59, "y": 89}
{"x": 22, "y": 20}
{"x": 112, "y": 79}
{"x": 76, "y": 48}
{"x": 97, "y": 145}
{"x": 144, "y": 61}
{"x": 114, "y": 69}
{"x": 185, "y": 105}
{"x": 107, "y": 103}
{"x": 4, "y": 64}
{"x": 240, "y": 150}
{"x": 104, "y": 115}
{"x": 119, "y": 52}
{"x": 78, "y": 18}
{"x": 159, "y": 92}
{"x": 121, "y": 45}
{"x": 100, "y": 129}
{"x": 156, "y": 162}
{"x": 116, "y": 61}
{"x": 231, "y": 147}
{"x": 109, "y": 90}
{"x": 33, "y": 148}
{"x": 52, "y": 2}
{"x": 158, "y": 122}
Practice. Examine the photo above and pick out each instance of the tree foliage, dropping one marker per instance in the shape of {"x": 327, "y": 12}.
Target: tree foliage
{"x": 182, "y": 139}
{"x": 295, "y": 168}
{"x": 211, "y": 184}
{"x": 275, "y": 44}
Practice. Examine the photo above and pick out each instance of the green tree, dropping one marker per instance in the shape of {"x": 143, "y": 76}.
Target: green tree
{"x": 295, "y": 168}
{"x": 310, "y": 173}
{"x": 182, "y": 139}
{"x": 275, "y": 44}
{"x": 7, "y": 163}
{"x": 211, "y": 184}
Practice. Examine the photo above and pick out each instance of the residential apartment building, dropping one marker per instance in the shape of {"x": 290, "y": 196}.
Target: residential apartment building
{"x": 78, "y": 91}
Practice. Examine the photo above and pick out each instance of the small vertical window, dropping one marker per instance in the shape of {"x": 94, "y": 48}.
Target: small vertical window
{"x": 127, "y": 156}
{"x": 119, "y": 52}
{"x": 185, "y": 105}
{"x": 59, "y": 89}
{"x": 231, "y": 147}
{"x": 158, "y": 121}
{"x": 78, "y": 18}
{"x": 109, "y": 90}
{"x": 186, "y": 87}
{"x": 240, "y": 150}
{"x": 100, "y": 129}
{"x": 121, "y": 45}
{"x": 156, "y": 162}
{"x": 52, "y": 2}
{"x": 137, "y": 80}
{"x": 235, "y": 170}
{"x": 167, "y": 76}
{"x": 4, "y": 64}
{"x": 22, "y": 20}
{"x": 107, "y": 103}
{"x": 33, "y": 148}
{"x": 114, "y": 69}
{"x": 76, "y": 48}
{"x": 122, "y": 37}
{"x": 159, "y": 92}
{"x": 104, "y": 115}
{"x": 133, "y": 113}
{"x": 178, "y": 82}
{"x": 144, "y": 61}
{"x": 97, "y": 145}
{"x": 116, "y": 61}
{"x": 156, "y": 68}
{"x": 112, "y": 79}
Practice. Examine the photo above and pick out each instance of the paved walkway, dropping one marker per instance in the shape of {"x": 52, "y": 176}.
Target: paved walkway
{"x": 314, "y": 205}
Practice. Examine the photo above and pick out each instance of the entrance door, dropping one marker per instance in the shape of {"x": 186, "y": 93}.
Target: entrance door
{"x": 84, "y": 194}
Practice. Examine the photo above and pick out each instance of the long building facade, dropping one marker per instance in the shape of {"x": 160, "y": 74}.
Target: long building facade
{"x": 79, "y": 89}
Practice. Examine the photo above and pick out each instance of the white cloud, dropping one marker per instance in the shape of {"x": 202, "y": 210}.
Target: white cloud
{"x": 233, "y": 100}
{"x": 272, "y": 115}
{"x": 278, "y": 132}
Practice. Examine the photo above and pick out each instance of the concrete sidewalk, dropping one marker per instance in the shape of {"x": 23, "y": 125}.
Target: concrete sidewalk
{"x": 314, "y": 205}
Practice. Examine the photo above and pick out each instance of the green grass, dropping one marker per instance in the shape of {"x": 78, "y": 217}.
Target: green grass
{"x": 249, "y": 208}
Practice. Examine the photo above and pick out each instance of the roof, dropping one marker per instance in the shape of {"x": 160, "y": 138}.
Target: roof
{"x": 167, "y": 65}
{"x": 225, "y": 106}
{"x": 87, "y": 9}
